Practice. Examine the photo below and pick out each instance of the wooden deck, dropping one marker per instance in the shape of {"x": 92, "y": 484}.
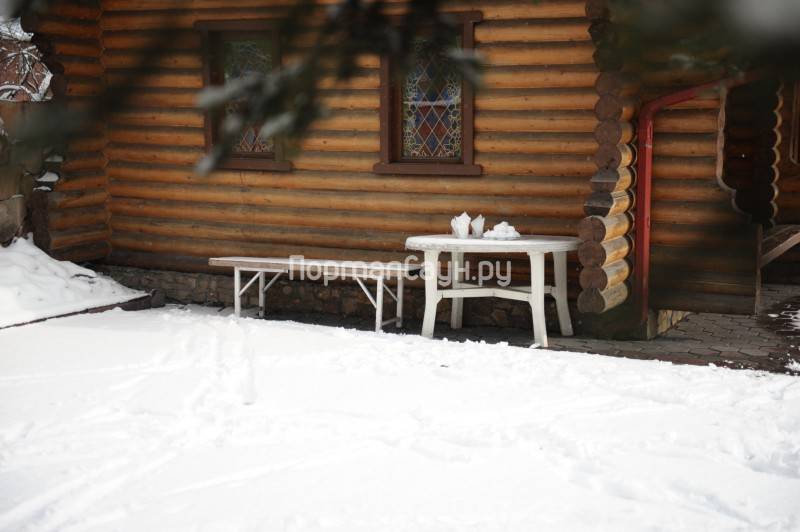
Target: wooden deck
{"x": 778, "y": 241}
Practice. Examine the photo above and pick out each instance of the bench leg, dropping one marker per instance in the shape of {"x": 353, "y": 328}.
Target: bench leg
{"x": 431, "y": 292}
{"x": 560, "y": 292}
{"x": 399, "y": 322}
{"x": 237, "y": 287}
{"x": 379, "y": 306}
{"x": 457, "y": 309}
{"x": 537, "y": 299}
{"x": 262, "y": 303}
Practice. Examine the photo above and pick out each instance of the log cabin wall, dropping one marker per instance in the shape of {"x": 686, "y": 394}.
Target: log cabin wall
{"x": 534, "y": 127}
{"x": 72, "y": 221}
{"x": 704, "y": 254}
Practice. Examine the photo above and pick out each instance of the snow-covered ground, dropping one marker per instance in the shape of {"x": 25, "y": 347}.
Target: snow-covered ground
{"x": 140, "y": 421}
{"x": 34, "y": 286}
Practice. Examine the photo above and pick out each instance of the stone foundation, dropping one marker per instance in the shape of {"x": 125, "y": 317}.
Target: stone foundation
{"x": 339, "y": 298}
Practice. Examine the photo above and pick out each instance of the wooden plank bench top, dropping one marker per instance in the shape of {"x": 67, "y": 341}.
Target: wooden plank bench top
{"x": 778, "y": 241}
{"x": 349, "y": 268}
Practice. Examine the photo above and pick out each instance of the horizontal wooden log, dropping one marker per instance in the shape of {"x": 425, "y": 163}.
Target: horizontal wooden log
{"x": 537, "y": 54}
{"x": 77, "y": 218}
{"x": 599, "y": 254}
{"x": 685, "y": 145}
{"x": 70, "y": 200}
{"x": 79, "y": 164}
{"x": 347, "y": 201}
{"x": 517, "y": 164}
{"x": 602, "y": 228}
{"x": 696, "y": 236}
{"x": 603, "y": 278}
{"x": 50, "y": 25}
{"x": 706, "y": 282}
{"x": 612, "y": 180}
{"x": 178, "y": 59}
{"x": 207, "y": 247}
{"x": 83, "y": 253}
{"x": 704, "y": 302}
{"x": 609, "y": 203}
{"x": 89, "y": 68}
{"x": 547, "y": 99}
{"x": 533, "y": 32}
{"x": 684, "y": 168}
{"x": 679, "y": 121}
{"x": 737, "y": 257}
{"x": 299, "y": 217}
{"x": 554, "y": 77}
{"x": 691, "y": 191}
{"x": 535, "y": 122}
{"x": 184, "y": 137}
{"x": 86, "y": 182}
{"x": 193, "y": 80}
{"x": 695, "y": 213}
{"x": 143, "y": 40}
{"x": 159, "y": 118}
{"x": 70, "y": 238}
{"x": 306, "y": 236}
{"x": 598, "y": 301}
{"x": 519, "y": 186}
{"x": 535, "y": 143}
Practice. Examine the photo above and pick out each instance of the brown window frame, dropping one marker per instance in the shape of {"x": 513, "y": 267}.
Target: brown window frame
{"x": 391, "y": 125}
{"x": 213, "y": 33}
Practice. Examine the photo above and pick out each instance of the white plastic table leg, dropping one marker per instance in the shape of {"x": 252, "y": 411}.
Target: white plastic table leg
{"x": 399, "y": 322}
{"x": 379, "y": 306}
{"x": 431, "y": 292}
{"x": 261, "y": 295}
{"x": 456, "y": 270}
{"x": 537, "y": 299}
{"x": 560, "y": 292}
{"x": 237, "y": 287}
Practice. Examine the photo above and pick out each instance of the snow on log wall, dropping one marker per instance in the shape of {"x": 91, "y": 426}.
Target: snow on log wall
{"x": 73, "y": 219}
{"x": 534, "y": 129}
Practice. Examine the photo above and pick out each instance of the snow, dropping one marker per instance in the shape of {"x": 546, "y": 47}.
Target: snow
{"x": 34, "y": 286}
{"x": 11, "y": 29}
{"x": 132, "y": 421}
{"x": 48, "y": 177}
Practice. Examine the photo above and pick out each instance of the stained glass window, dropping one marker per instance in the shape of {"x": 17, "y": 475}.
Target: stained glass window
{"x": 431, "y": 108}
{"x": 242, "y": 58}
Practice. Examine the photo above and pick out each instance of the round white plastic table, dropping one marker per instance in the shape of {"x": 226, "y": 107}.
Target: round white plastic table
{"x": 533, "y": 245}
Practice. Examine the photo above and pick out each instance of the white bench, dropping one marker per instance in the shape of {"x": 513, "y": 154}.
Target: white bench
{"x": 319, "y": 269}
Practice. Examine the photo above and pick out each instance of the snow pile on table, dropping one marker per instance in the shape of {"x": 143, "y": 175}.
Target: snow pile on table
{"x": 34, "y": 286}
{"x": 132, "y": 421}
